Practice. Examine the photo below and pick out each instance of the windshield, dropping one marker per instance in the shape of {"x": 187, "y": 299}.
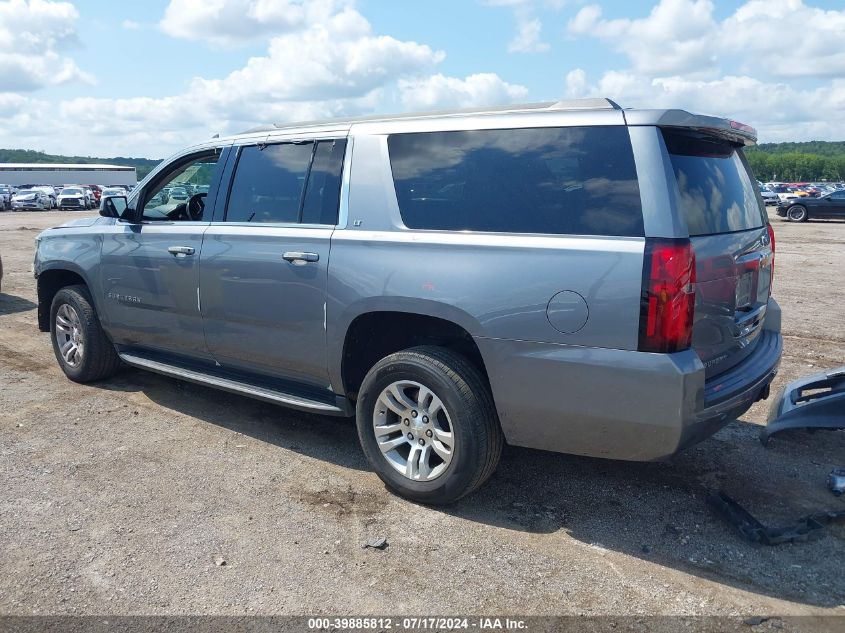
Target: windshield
{"x": 717, "y": 191}
{"x": 71, "y": 192}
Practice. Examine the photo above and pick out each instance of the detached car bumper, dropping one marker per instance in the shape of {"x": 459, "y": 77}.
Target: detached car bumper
{"x": 621, "y": 404}
{"x": 812, "y": 402}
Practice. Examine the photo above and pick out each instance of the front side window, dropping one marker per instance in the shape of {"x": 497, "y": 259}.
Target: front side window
{"x": 574, "y": 180}
{"x": 287, "y": 183}
{"x": 180, "y": 194}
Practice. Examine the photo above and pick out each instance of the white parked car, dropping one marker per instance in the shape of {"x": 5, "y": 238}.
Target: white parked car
{"x": 31, "y": 199}
{"x": 73, "y": 198}
{"x": 49, "y": 192}
{"x": 6, "y": 193}
{"x": 90, "y": 197}
{"x": 769, "y": 196}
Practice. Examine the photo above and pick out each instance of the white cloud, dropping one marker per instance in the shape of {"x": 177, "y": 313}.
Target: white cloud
{"x": 236, "y": 21}
{"x": 439, "y": 91}
{"x": 338, "y": 58}
{"x": 677, "y": 36}
{"x": 527, "y": 38}
{"x": 779, "y": 111}
{"x": 130, "y": 25}
{"x": 683, "y": 36}
{"x": 528, "y": 26}
{"x": 335, "y": 67}
{"x": 812, "y": 44}
{"x": 32, "y": 34}
{"x": 769, "y": 63}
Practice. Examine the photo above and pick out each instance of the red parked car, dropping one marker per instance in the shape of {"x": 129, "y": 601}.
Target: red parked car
{"x": 97, "y": 192}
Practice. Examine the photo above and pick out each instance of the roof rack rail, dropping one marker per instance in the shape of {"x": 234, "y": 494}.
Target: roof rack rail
{"x": 569, "y": 104}
{"x": 598, "y": 103}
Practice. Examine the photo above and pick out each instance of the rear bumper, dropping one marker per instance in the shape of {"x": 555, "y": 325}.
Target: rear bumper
{"x": 621, "y": 404}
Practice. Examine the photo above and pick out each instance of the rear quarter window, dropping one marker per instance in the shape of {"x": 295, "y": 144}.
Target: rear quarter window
{"x": 574, "y": 180}
{"x": 717, "y": 191}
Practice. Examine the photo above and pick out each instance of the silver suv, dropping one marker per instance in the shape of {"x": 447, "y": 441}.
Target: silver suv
{"x": 565, "y": 276}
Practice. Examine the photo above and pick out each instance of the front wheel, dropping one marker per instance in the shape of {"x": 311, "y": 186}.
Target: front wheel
{"x": 428, "y": 426}
{"x": 797, "y": 213}
{"x": 81, "y": 346}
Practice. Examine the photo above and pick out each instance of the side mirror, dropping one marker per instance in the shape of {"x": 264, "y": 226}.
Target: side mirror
{"x": 113, "y": 206}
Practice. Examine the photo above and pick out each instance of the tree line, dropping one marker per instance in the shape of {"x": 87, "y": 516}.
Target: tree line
{"x": 798, "y": 162}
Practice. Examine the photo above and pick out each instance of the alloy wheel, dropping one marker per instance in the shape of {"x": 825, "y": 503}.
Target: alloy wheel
{"x": 413, "y": 430}
{"x": 797, "y": 214}
{"x": 69, "y": 335}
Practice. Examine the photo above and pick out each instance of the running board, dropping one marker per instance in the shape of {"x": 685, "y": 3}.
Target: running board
{"x": 232, "y": 386}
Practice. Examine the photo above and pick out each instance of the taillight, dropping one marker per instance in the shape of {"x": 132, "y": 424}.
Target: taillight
{"x": 772, "y": 244}
{"x": 668, "y": 296}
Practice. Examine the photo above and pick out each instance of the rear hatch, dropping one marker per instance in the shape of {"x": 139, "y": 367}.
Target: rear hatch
{"x": 729, "y": 232}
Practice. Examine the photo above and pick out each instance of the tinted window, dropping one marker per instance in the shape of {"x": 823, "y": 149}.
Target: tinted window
{"x": 323, "y": 192}
{"x": 717, "y": 192}
{"x": 269, "y": 182}
{"x": 578, "y": 180}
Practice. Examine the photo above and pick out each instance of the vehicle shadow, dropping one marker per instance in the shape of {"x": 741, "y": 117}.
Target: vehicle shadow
{"x": 12, "y": 304}
{"x": 651, "y": 511}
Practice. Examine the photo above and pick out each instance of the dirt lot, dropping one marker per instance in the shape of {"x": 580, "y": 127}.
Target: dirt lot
{"x": 123, "y": 497}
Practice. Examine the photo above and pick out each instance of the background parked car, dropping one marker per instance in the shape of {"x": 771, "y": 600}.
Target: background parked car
{"x": 769, "y": 196}
{"x": 6, "y": 194}
{"x": 50, "y": 193}
{"x": 73, "y": 198}
{"x": 95, "y": 189}
{"x": 178, "y": 194}
{"x": 31, "y": 199}
{"x": 89, "y": 195}
{"x": 831, "y": 205}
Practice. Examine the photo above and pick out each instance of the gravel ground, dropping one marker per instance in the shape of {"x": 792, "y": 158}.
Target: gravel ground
{"x": 146, "y": 495}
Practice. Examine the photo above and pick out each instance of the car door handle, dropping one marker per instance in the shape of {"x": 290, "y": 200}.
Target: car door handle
{"x": 181, "y": 251}
{"x": 299, "y": 259}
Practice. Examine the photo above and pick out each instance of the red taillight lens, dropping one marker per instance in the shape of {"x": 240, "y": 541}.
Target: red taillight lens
{"x": 668, "y": 296}
{"x": 772, "y": 243}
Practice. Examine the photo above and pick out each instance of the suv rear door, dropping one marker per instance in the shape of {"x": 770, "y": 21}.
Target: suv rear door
{"x": 729, "y": 232}
{"x": 264, "y": 261}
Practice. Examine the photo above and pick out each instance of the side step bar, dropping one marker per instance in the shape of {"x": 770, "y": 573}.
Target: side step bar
{"x": 233, "y": 386}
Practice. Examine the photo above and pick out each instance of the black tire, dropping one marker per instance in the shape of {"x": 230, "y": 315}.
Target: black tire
{"x": 474, "y": 424}
{"x": 797, "y": 213}
{"x": 99, "y": 359}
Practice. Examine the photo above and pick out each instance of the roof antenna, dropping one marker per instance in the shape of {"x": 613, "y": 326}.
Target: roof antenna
{"x": 216, "y": 136}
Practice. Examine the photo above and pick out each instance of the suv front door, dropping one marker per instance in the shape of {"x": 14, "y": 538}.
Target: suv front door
{"x": 264, "y": 264}
{"x": 150, "y": 260}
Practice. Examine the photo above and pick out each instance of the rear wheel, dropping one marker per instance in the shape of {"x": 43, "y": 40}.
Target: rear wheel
{"x": 81, "y": 346}
{"x": 797, "y": 213}
{"x": 427, "y": 424}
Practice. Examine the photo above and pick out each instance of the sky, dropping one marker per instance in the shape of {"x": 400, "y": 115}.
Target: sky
{"x": 146, "y": 77}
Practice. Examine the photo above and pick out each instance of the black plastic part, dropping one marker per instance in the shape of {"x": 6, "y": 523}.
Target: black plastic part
{"x": 805, "y": 529}
{"x": 813, "y": 402}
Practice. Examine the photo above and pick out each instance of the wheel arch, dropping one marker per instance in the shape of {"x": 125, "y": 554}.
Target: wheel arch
{"x": 369, "y": 335}
{"x": 53, "y": 278}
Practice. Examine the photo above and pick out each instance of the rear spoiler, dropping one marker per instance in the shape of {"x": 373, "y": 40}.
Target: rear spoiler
{"x": 732, "y": 131}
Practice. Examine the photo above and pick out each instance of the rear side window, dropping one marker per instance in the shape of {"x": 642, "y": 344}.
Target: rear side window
{"x": 718, "y": 193}
{"x": 574, "y": 180}
{"x": 322, "y": 195}
{"x": 287, "y": 183}
{"x": 269, "y": 182}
